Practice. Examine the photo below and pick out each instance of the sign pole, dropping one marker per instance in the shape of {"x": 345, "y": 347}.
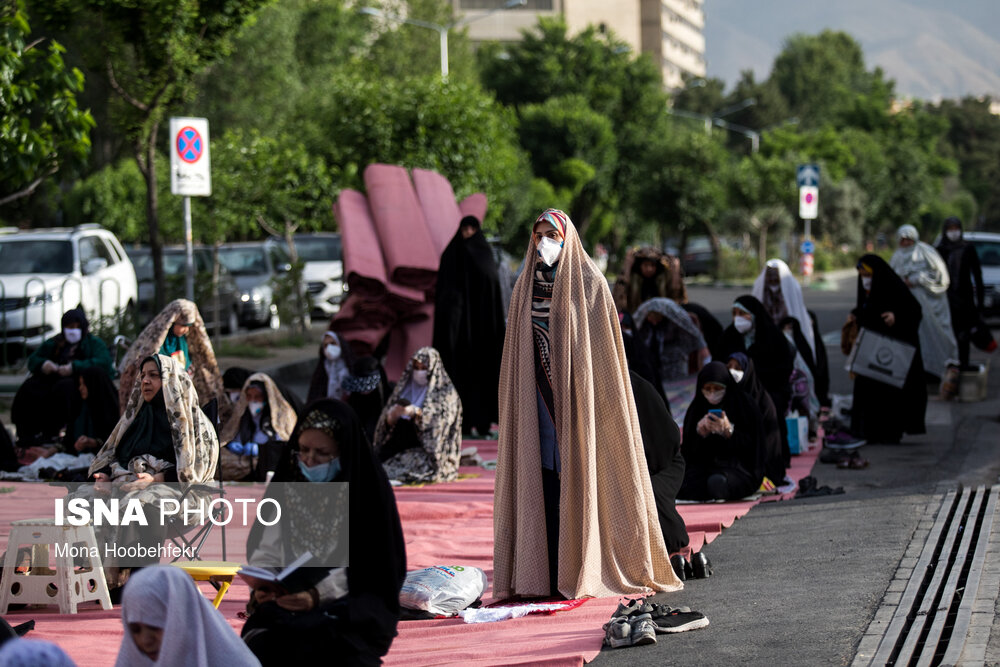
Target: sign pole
{"x": 188, "y": 252}
{"x": 190, "y": 176}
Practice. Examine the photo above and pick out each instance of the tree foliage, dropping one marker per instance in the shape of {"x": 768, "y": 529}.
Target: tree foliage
{"x": 43, "y": 132}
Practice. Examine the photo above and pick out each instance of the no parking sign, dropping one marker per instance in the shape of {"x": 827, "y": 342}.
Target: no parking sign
{"x": 190, "y": 171}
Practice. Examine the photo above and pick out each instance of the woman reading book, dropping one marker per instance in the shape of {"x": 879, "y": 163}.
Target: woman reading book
{"x": 350, "y": 612}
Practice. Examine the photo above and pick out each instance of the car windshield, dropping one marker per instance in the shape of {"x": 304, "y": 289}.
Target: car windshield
{"x": 989, "y": 252}
{"x": 317, "y": 249}
{"x": 29, "y": 257}
{"x": 244, "y": 261}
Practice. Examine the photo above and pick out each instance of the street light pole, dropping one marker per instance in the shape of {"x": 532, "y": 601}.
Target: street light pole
{"x": 441, "y": 29}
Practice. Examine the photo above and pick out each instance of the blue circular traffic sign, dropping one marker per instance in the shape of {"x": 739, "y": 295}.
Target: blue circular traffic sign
{"x": 807, "y": 247}
{"x": 189, "y": 145}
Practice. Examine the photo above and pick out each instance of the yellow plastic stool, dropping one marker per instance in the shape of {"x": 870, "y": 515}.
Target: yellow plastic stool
{"x": 217, "y": 571}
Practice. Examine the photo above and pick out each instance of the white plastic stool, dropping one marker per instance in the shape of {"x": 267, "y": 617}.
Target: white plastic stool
{"x": 65, "y": 586}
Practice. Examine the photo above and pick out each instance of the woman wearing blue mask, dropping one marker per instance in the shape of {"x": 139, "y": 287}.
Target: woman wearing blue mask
{"x": 351, "y": 612}
{"x": 262, "y": 421}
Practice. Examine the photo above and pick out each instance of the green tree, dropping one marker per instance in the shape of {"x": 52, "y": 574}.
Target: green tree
{"x": 761, "y": 192}
{"x": 43, "y": 132}
{"x": 548, "y": 64}
{"x": 150, "y": 52}
{"x": 973, "y": 140}
{"x": 823, "y": 76}
{"x": 685, "y": 185}
{"x": 453, "y": 128}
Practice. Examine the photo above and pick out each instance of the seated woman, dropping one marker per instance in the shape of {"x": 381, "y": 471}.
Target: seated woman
{"x": 163, "y": 436}
{"x": 723, "y": 440}
{"x": 351, "y": 613}
{"x": 661, "y": 441}
{"x": 743, "y": 372}
{"x": 419, "y": 435}
{"x": 235, "y": 377}
{"x": 675, "y": 344}
{"x": 332, "y": 368}
{"x": 261, "y": 416}
{"x": 96, "y": 413}
{"x": 46, "y": 400}
{"x": 168, "y": 621}
{"x": 178, "y": 332}
{"x": 367, "y": 390}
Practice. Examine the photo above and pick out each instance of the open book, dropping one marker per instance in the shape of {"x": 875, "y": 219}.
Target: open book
{"x": 297, "y": 576}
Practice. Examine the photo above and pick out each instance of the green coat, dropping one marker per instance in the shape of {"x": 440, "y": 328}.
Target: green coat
{"x": 92, "y": 352}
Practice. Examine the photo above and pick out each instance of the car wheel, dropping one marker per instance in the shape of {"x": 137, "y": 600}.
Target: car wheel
{"x": 232, "y": 322}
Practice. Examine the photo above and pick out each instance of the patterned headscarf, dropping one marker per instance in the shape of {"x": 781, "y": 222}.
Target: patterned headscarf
{"x": 554, "y": 217}
{"x": 195, "y": 442}
{"x": 204, "y": 368}
{"x": 282, "y": 414}
{"x": 439, "y": 430}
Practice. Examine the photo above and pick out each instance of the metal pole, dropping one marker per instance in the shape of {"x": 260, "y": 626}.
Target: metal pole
{"x": 443, "y": 31}
{"x": 189, "y": 252}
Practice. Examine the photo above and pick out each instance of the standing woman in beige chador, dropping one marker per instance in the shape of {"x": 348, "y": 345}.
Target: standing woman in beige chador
{"x": 574, "y": 508}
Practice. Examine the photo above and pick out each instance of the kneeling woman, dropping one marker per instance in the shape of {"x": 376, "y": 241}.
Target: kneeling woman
{"x": 723, "y": 442}
{"x": 350, "y": 615}
{"x": 419, "y": 435}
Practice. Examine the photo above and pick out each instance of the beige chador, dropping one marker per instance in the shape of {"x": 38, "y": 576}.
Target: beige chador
{"x": 609, "y": 537}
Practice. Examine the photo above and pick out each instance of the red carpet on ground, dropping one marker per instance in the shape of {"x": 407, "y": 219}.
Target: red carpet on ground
{"x": 443, "y": 524}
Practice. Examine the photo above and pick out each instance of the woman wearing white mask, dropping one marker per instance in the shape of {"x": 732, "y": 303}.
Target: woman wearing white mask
{"x": 575, "y": 513}
{"x": 724, "y": 444}
{"x": 332, "y": 368}
{"x": 44, "y": 402}
{"x": 418, "y": 438}
{"x": 261, "y": 416}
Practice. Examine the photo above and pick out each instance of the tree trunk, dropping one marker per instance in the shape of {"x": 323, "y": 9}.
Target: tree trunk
{"x": 716, "y": 249}
{"x": 153, "y": 220}
{"x": 762, "y": 246}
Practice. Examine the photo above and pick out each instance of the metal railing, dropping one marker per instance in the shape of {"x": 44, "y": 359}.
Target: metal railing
{"x": 34, "y": 300}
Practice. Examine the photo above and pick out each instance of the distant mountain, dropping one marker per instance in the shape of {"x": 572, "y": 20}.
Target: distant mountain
{"x": 930, "y": 48}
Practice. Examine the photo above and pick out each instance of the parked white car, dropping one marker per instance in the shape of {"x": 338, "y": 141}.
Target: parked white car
{"x": 45, "y": 272}
{"x": 323, "y": 273}
{"x": 987, "y": 246}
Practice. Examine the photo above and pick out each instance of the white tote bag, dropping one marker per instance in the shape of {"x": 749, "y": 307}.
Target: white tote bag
{"x": 881, "y": 358}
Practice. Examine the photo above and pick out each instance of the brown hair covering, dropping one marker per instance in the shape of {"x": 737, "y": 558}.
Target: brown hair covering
{"x": 204, "y": 369}
{"x": 669, "y": 278}
{"x": 609, "y": 536}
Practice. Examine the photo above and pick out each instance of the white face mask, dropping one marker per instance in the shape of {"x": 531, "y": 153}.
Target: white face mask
{"x": 256, "y": 407}
{"x": 73, "y": 336}
{"x": 420, "y": 378}
{"x": 714, "y": 397}
{"x": 332, "y": 352}
{"x": 775, "y": 288}
{"x": 549, "y": 250}
{"x": 737, "y": 374}
{"x": 742, "y": 324}
{"x": 866, "y": 283}
{"x": 953, "y": 234}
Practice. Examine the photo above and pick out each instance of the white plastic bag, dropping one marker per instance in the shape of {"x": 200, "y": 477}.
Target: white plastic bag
{"x": 443, "y": 589}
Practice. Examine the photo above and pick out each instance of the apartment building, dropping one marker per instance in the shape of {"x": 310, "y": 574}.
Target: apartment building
{"x": 672, "y": 31}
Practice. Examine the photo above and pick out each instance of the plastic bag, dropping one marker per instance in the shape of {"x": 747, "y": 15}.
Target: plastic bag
{"x": 443, "y": 589}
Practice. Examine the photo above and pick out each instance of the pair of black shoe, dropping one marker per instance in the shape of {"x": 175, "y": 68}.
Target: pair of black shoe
{"x": 699, "y": 567}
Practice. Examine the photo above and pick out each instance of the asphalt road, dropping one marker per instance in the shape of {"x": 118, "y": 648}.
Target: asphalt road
{"x": 798, "y": 582}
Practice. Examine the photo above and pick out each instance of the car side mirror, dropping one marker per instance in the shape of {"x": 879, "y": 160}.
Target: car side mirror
{"x": 94, "y": 265}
